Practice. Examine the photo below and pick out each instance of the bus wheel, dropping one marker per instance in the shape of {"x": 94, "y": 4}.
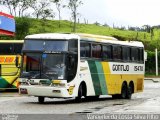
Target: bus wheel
{"x": 79, "y": 97}
{"x": 41, "y": 99}
{"x": 116, "y": 96}
{"x": 129, "y": 92}
{"x": 92, "y": 97}
{"x": 96, "y": 97}
{"x": 124, "y": 91}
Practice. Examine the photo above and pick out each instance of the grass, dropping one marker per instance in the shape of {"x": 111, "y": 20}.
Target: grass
{"x": 52, "y": 26}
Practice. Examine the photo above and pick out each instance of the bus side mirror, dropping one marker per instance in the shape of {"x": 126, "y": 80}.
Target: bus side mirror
{"x": 17, "y": 61}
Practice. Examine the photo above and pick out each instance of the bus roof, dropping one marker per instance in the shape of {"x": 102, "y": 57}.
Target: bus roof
{"x": 83, "y": 36}
{"x": 52, "y": 36}
{"x": 11, "y": 41}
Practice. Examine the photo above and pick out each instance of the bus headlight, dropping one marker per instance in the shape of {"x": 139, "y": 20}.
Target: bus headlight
{"x": 23, "y": 81}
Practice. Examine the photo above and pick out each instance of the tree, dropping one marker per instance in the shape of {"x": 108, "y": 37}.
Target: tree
{"x": 73, "y": 5}
{"x": 15, "y": 6}
{"x": 24, "y": 5}
{"x": 39, "y": 7}
{"x": 59, "y": 6}
{"x": 11, "y": 5}
{"x": 106, "y": 25}
{"x": 22, "y": 27}
{"x": 97, "y": 23}
{"x": 47, "y": 13}
{"x": 147, "y": 28}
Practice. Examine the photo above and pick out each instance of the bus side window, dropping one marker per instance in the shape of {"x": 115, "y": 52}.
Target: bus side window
{"x": 96, "y": 51}
{"x": 141, "y": 55}
{"x": 73, "y": 45}
{"x": 85, "y": 49}
{"x": 117, "y": 52}
{"x": 17, "y": 48}
{"x": 6, "y": 48}
{"x": 107, "y": 52}
{"x": 134, "y": 54}
{"x": 126, "y": 56}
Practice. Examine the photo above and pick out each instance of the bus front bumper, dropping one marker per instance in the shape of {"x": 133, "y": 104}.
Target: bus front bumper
{"x": 45, "y": 91}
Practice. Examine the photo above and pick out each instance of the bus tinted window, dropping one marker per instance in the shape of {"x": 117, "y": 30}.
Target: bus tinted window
{"x": 47, "y": 45}
{"x": 141, "y": 55}
{"x": 134, "y": 54}
{"x": 73, "y": 45}
{"x": 126, "y": 53}
{"x": 117, "y": 52}
{"x": 96, "y": 50}
{"x": 107, "y": 52}
{"x": 85, "y": 49}
{"x": 55, "y": 45}
{"x": 17, "y": 48}
{"x": 6, "y": 48}
{"x": 33, "y": 45}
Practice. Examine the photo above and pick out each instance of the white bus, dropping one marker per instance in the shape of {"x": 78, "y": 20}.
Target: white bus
{"x": 80, "y": 65}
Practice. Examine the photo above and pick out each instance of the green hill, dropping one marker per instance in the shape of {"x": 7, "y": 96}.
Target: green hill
{"x": 25, "y": 26}
{"x": 39, "y": 26}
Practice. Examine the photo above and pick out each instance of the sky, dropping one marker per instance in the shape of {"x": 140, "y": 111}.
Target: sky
{"x": 117, "y": 12}
{"x": 122, "y": 12}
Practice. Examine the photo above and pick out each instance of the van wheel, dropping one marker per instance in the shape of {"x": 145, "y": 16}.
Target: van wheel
{"x": 79, "y": 97}
{"x": 124, "y": 91}
{"x": 41, "y": 99}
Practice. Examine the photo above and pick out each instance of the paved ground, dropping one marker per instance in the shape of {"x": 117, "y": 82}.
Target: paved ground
{"x": 147, "y": 102}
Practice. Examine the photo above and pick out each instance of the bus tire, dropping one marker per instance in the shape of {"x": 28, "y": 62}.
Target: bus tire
{"x": 129, "y": 92}
{"x": 41, "y": 99}
{"x": 116, "y": 96}
{"x": 78, "y": 99}
{"x": 124, "y": 91}
{"x": 92, "y": 98}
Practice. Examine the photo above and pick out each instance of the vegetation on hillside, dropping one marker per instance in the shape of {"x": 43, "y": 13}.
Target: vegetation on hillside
{"x": 39, "y": 11}
{"x": 26, "y": 26}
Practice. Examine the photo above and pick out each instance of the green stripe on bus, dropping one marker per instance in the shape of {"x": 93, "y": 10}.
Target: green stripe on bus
{"x": 3, "y": 83}
{"x": 13, "y": 86}
{"x": 101, "y": 78}
{"x": 95, "y": 77}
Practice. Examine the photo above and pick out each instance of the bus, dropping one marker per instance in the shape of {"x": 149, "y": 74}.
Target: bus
{"x": 9, "y": 71}
{"x": 80, "y": 66}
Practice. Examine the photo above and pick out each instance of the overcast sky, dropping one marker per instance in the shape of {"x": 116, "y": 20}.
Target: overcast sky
{"x": 118, "y": 12}
{"x": 122, "y": 12}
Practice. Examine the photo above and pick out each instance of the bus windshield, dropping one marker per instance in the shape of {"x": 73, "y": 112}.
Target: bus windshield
{"x": 47, "y": 45}
{"x": 44, "y": 66}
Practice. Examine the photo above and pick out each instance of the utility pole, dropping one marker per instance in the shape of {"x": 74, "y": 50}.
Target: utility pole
{"x": 156, "y": 54}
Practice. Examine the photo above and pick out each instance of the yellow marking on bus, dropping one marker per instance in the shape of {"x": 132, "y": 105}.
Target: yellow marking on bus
{"x": 106, "y": 70}
{"x": 7, "y": 60}
{"x": 70, "y": 91}
{"x": 56, "y": 81}
{"x": 98, "y": 40}
{"x": 83, "y": 68}
{"x": 100, "y": 37}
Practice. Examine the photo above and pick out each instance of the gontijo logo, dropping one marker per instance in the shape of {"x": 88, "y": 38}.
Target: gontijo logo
{"x": 7, "y": 59}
